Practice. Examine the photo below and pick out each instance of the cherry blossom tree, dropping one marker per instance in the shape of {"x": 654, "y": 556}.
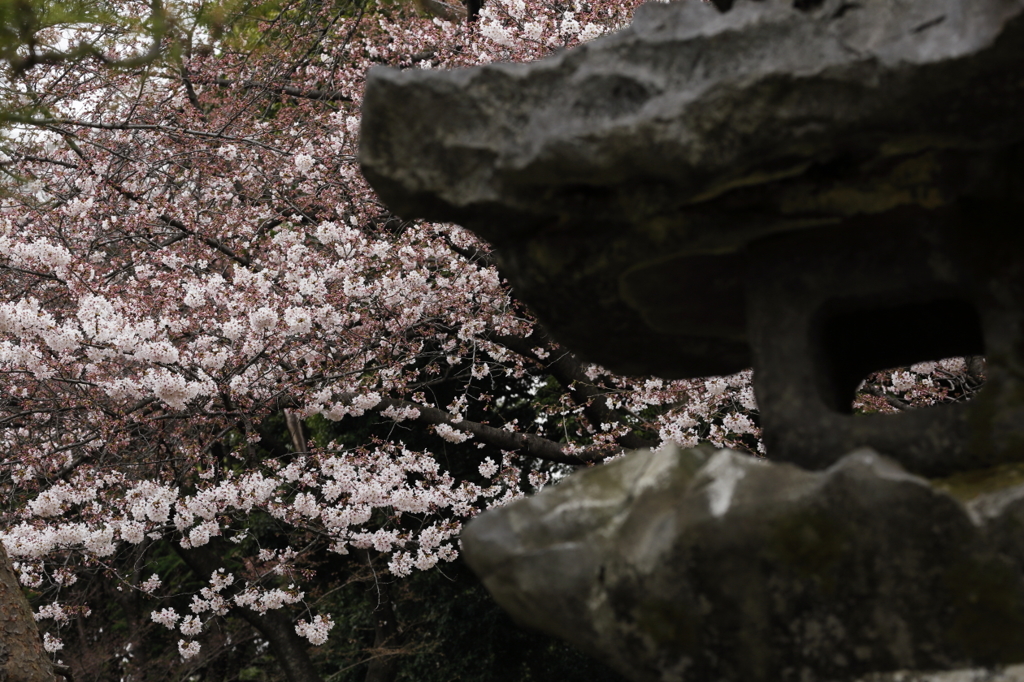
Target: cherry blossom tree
{"x": 193, "y": 267}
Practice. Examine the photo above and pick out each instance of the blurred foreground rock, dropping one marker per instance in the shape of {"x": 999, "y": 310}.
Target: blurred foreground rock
{"x": 1012, "y": 673}
{"x": 704, "y": 565}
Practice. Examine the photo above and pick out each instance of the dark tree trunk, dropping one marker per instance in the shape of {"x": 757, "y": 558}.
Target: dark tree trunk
{"x": 384, "y": 664}
{"x": 289, "y": 649}
{"x": 22, "y": 658}
{"x": 295, "y": 431}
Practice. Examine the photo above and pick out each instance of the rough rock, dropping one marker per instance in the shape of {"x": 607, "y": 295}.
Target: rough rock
{"x": 703, "y": 565}
{"x": 820, "y": 189}
{"x": 670, "y": 146}
{"x": 1012, "y": 673}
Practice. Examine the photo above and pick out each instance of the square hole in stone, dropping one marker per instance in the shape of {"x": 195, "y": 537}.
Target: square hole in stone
{"x": 855, "y": 339}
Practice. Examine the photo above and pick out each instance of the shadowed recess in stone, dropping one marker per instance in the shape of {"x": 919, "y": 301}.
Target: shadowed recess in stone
{"x": 852, "y": 347}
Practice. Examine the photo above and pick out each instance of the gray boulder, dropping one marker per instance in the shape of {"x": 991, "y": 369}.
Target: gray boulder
{"x": 702, "y": 565}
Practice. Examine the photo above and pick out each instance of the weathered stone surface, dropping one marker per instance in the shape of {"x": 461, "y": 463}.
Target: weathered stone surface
{"x": 827, "y": 307}
{"x": 820, "y": 188}
{"x": 674, "y": 144}
{"x": 702, "y": 565}
{"x": 1012, "y": 673}
{"x": 817, "y": 188}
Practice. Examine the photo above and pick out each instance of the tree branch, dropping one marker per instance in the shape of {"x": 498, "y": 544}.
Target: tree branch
{"x": 275, "y": 625}
{"x": 891, "y": 399}
{"x": 157, "y": 127}
{"x": 527, "y": 444}
{"x": 295, "y": 431}
{"x": 291, "y": 91}
{"x": 209, "y": 241}
{"x": 181, "y": 227}
{"x": 191, "y": 91}
{"x": 568, "y": 371}
{"x": 383, "y": 665}
{"x": 471, "y": 253}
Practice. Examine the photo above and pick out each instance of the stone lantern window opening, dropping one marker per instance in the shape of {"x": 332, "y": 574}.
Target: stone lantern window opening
{"x": 855, "y": 338}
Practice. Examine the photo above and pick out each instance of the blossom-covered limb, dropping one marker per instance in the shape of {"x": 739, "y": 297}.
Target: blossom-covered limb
{"x": 527, "y": 444}
{"x": 276, "y": 625}
{"x": 570, "y": 372}
{"x": 290, "y": 90}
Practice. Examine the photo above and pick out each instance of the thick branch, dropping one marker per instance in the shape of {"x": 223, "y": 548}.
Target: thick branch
{"x": 891, "y": 399}
{"x": 295, "y": 431}
{"x": 383, "y": 666}
{"x": 471, "y": 253}
{"x": 209, "y": 241}
{"x": 33, "y": 273}
{"x": 291, "y": 91}
{"x": 527, "y": 444}
{"x": 181, "y": 227}
{"x": 171, "y": 130}
{"x": 43, "y": 159}
{"x": 191, "y": 91}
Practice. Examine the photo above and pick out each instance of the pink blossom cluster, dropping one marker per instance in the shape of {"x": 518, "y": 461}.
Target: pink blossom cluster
{"x": 315, "y": 631}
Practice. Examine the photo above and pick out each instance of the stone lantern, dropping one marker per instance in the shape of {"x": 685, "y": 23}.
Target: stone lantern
{"x": 818, "y": 189}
